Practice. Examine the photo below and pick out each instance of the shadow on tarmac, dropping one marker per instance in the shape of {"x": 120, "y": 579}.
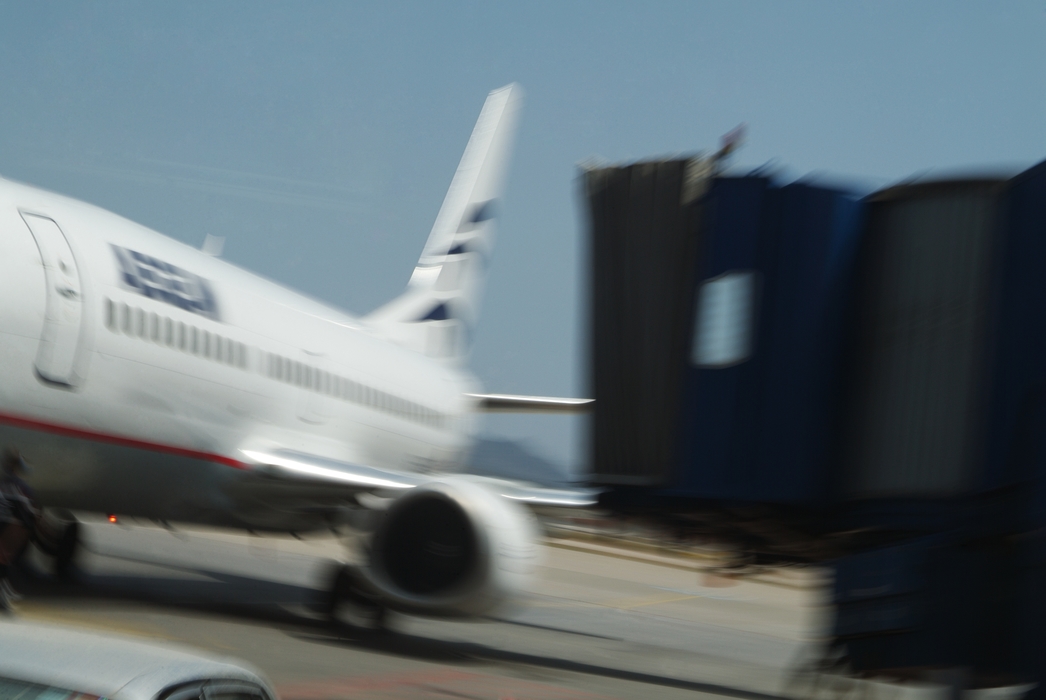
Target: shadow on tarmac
{"x": 299, "y": 612}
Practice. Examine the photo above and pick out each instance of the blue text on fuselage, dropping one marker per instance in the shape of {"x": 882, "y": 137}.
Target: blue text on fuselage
{"x": 159, "y": 280}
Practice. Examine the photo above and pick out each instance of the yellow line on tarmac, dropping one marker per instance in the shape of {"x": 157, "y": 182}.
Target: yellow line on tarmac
{"x": 695, "y": 567}
{"x": 42, "y": 613}
{"x": 624, "y": 605}
{"x": 36, "y": 612}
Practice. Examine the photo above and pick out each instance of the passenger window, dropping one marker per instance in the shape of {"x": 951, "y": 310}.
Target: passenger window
{"x": 233, "y": 690}
{"x": 234, "y": 695}
{"x": 139, "y": 323}
{"x": 218, "y": 348}
{"x": 125, "y": 318}
{"x": 11, "y": 688}
{"x": 154, "y": 327}
{"x": 110, "y": 315}
{"x": 168, "y": 332}
{"x": 181, "y": 336}
{"x": 195, "y": 343}
{"x": 188, "y": 691}
{"x": 216, "y": 689}
{"x": 205, "y": 346}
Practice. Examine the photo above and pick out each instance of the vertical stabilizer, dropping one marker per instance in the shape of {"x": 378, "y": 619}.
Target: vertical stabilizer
{"x": 438, "y": 312}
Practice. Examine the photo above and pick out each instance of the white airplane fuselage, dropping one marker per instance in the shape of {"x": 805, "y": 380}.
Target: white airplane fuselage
{"x": 136, "y": 370}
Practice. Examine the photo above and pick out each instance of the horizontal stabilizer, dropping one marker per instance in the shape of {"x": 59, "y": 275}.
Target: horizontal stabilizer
{"x": 513, "y": 403}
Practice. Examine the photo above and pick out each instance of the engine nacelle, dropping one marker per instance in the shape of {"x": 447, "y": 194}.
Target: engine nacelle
{"x": 452, "y": 547}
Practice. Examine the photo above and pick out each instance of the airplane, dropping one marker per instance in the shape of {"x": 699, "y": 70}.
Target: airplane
{"x": 143, "y": 377}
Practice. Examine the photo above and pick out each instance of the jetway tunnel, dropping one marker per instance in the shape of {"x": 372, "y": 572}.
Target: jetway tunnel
{"x": 813, "y": 376}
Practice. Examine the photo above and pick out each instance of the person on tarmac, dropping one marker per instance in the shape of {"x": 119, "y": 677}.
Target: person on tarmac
{"x": 18, "y": 514}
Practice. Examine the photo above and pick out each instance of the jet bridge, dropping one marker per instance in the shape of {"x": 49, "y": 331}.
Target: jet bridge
{"x": 817, "y": 377}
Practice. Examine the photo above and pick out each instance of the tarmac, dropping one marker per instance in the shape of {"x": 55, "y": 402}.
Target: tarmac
{"x": 598, "y": 622}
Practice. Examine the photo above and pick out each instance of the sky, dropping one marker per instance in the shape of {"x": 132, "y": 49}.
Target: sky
{"x": 319, "y": 138}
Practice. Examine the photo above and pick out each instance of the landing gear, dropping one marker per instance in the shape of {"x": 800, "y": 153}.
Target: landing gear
{"x": 58, "y": 535}
{"x": 65, "y": 556}
{"x": 351, "y": 601}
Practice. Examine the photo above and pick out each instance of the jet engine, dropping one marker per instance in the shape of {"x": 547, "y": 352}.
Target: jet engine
{"x": 451, "y": 547}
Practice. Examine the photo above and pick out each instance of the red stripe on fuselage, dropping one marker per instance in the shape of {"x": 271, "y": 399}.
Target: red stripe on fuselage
{"x": 69, "y": 431}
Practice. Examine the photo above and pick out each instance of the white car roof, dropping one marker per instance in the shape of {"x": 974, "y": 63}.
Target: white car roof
{"x": 112, "y": 666}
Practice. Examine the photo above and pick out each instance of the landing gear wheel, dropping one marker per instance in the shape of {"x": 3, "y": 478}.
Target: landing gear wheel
{"x": 57, "y": 535}
{"x": 351, "y": 603}
{"x": 66, "y": 550}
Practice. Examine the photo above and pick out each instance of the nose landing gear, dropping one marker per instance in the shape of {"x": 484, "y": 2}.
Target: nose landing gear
{"x": 57, "y": 535}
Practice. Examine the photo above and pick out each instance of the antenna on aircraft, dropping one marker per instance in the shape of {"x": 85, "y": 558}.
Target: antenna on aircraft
{"x": 213, "y": 245}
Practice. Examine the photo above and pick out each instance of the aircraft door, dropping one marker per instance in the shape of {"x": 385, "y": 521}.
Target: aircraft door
{"x": 63, "y": 320}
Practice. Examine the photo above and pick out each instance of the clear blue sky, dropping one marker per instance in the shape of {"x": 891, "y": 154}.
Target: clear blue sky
{"x": 319, "y": 138}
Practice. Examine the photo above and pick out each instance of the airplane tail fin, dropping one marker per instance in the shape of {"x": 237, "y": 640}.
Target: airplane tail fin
{"x": 439, "y": 309}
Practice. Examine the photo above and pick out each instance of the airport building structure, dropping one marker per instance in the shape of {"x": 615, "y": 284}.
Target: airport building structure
{"x": 814, "y": 376}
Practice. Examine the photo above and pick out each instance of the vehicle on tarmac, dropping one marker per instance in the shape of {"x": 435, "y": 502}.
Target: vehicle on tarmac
{"x": 143, "y": 377}
{"x": 61, "y": 663}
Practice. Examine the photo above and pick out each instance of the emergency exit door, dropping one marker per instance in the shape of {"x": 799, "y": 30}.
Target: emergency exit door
{"x": 63, "y": 321}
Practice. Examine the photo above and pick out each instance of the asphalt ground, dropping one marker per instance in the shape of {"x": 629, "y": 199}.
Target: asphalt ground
{"x": 597, "y": 622}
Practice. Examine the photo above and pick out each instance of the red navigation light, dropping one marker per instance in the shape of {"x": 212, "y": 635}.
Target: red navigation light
{"x": 112, "y": 517}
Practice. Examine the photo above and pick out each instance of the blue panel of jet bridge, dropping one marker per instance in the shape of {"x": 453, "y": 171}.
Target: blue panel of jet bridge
{"x": 1016, "y": 443}
{"x": 760, "y": 385}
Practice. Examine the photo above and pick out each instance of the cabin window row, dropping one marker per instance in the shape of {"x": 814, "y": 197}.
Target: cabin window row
{"x": 312, "y": 379}
{"x": 146, "y": 325}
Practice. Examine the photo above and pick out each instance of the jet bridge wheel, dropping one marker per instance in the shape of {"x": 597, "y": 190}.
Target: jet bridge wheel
{"x": 351, "y": 602}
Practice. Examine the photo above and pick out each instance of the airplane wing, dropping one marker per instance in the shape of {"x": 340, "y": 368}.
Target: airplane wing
{"x": 513, "y": 403}
{"x": 302, "y": 472}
